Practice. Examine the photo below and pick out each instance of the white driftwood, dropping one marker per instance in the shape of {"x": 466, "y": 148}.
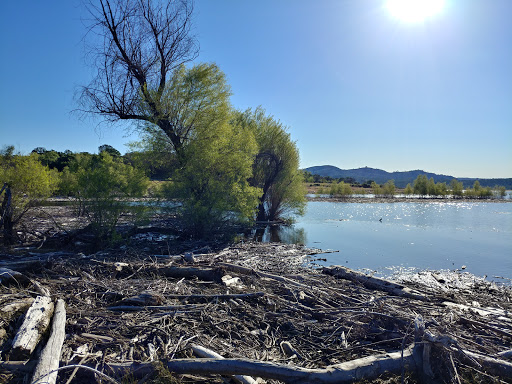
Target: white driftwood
{"x": 348, "y": 372}
{"x": 208, "y": 353}
{"x": 50, "y": 357}
{"x": 373, "y": 282}
{"x": 35, "y": 324}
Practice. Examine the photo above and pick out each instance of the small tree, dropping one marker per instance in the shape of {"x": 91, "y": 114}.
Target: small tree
{"x": 376, "y": 188}
{"x": 420, "y": 185}
{"x": 457, "y": 188}
{"x": 103, "y": 187}
{"x": 24, "y": 183}
{"x": 276, "y": 166}
{"x": 213, "y": 183}
{"x": 408, "y": 191}
{"x": 388, "y": 190}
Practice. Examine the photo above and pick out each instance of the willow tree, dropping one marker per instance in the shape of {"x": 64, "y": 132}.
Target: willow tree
{"x": 276, "y": 166}
{"x": 136, "y": 46}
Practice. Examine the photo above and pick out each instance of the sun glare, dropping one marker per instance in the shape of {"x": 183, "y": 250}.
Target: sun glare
{"x": 413, "y": 11}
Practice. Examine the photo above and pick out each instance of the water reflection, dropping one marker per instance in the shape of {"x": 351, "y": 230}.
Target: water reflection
{"x": 279, "y": 234}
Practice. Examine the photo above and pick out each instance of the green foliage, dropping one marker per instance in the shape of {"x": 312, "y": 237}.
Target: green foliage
{"x": 110, "y": 150}
{"x": 420, "y": 185}
{"x": 478, "y": 192}
{"x": 457, "y": 188}
{"x": 376, "y": 188}
{"x": 213, "y": 182}
{"x": 388, "y": 189}
{"x": 29, "y": 183}
{"x": 194, "y": 100}
{"x": 103, "y": 185}
{"x": 499, "y": 191}
{"x": 211, "y": 158}
{"x": 276, "y": 165}
{"x": 341, "y": 189}
{"x": 408, "y": 190}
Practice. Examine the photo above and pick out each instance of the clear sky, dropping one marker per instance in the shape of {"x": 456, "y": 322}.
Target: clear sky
{"x": 356, "y": 84}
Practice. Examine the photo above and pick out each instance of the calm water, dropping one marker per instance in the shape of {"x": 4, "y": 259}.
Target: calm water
{"x": 420, "y": 235}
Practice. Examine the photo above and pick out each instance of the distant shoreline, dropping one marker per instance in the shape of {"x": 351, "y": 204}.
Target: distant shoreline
{"x": 358, "y": 199}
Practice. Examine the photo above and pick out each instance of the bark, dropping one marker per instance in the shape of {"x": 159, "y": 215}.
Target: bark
{"x": 372, "y": 282}
{"x": 50, "y": 357}
{"x": 35, "y": 324}
{"x": 348, "y": 372}
{"x": 207, "y": 353}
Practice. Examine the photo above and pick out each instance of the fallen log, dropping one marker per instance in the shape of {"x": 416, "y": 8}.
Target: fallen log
{"x": 495, "y": 366}
{"x": 9, "y": 276}
{"x": 373, "y": 282}
{"x": 50, "y": 357}
{"x": 208, "y": 353}
{"x": 348, "y": 372}
{"x": 35, "y": 324}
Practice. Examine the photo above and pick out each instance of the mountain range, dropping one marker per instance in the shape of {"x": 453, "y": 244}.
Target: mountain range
{"x": 401, "y": 179}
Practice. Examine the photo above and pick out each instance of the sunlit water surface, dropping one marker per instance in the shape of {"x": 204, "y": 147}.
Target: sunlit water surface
{"x": 473, "y": 236}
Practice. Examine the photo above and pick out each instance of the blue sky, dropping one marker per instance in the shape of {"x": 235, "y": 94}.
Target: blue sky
{"x": 356, "y": 86}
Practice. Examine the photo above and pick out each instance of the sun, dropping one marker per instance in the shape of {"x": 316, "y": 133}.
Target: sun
{"x": 414, "y": 11}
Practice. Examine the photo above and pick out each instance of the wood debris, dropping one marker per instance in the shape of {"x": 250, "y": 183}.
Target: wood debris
{"x": 253, "y": 312}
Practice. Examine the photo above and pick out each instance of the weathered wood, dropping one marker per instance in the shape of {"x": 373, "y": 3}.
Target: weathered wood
{"x": 50, "y": 356}
{"x": 372, "y": 282}
{"x": 208, "y": 353}
{"x": 495, "y": 366}
{"x": 9, "y": 276}
{"x": 144, "y": 299}
{"x": 242, "y": 296}
{"x": 17, "y": 305}
{"x": 35, "y": 324}
{"x": 348, "y": 372}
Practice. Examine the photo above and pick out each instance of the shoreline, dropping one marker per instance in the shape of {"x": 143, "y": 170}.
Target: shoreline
{"x": 358, "y": 199}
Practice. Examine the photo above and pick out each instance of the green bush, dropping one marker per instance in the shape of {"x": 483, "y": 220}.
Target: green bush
{"x": 28, "y": 182}
{"x": 104, "y": 186}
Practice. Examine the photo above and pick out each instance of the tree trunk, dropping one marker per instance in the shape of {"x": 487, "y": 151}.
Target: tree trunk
{"x": 6, "y": 213}
{"x": 50, "y": 357}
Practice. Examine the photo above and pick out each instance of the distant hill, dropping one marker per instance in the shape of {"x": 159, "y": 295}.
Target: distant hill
{"x": 400, "y": 178}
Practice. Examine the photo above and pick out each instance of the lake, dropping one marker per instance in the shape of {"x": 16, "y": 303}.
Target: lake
{"x": 385, "y": 237}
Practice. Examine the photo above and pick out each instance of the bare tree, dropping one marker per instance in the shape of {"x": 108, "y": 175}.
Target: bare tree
{"x": 141, "y": 42}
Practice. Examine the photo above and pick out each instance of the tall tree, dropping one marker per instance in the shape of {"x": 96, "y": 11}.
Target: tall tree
{"x": 141, "y": 43}
{"x": 276, "y": 166}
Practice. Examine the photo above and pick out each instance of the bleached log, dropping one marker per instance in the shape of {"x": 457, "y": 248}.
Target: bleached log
{"x": 208, "y": 353}
{"x": 35, "y": 324}
{"x": 373, "y": 282}
{"x": 9, "y": 276}
{"x": 50, "y": 357}
{"x": 348, "y": 372}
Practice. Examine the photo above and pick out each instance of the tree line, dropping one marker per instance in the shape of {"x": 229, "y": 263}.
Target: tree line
{"x": 422, "y": 187}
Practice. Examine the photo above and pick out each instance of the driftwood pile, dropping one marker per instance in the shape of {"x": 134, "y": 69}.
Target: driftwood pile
{"x": 249, "y": 313}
